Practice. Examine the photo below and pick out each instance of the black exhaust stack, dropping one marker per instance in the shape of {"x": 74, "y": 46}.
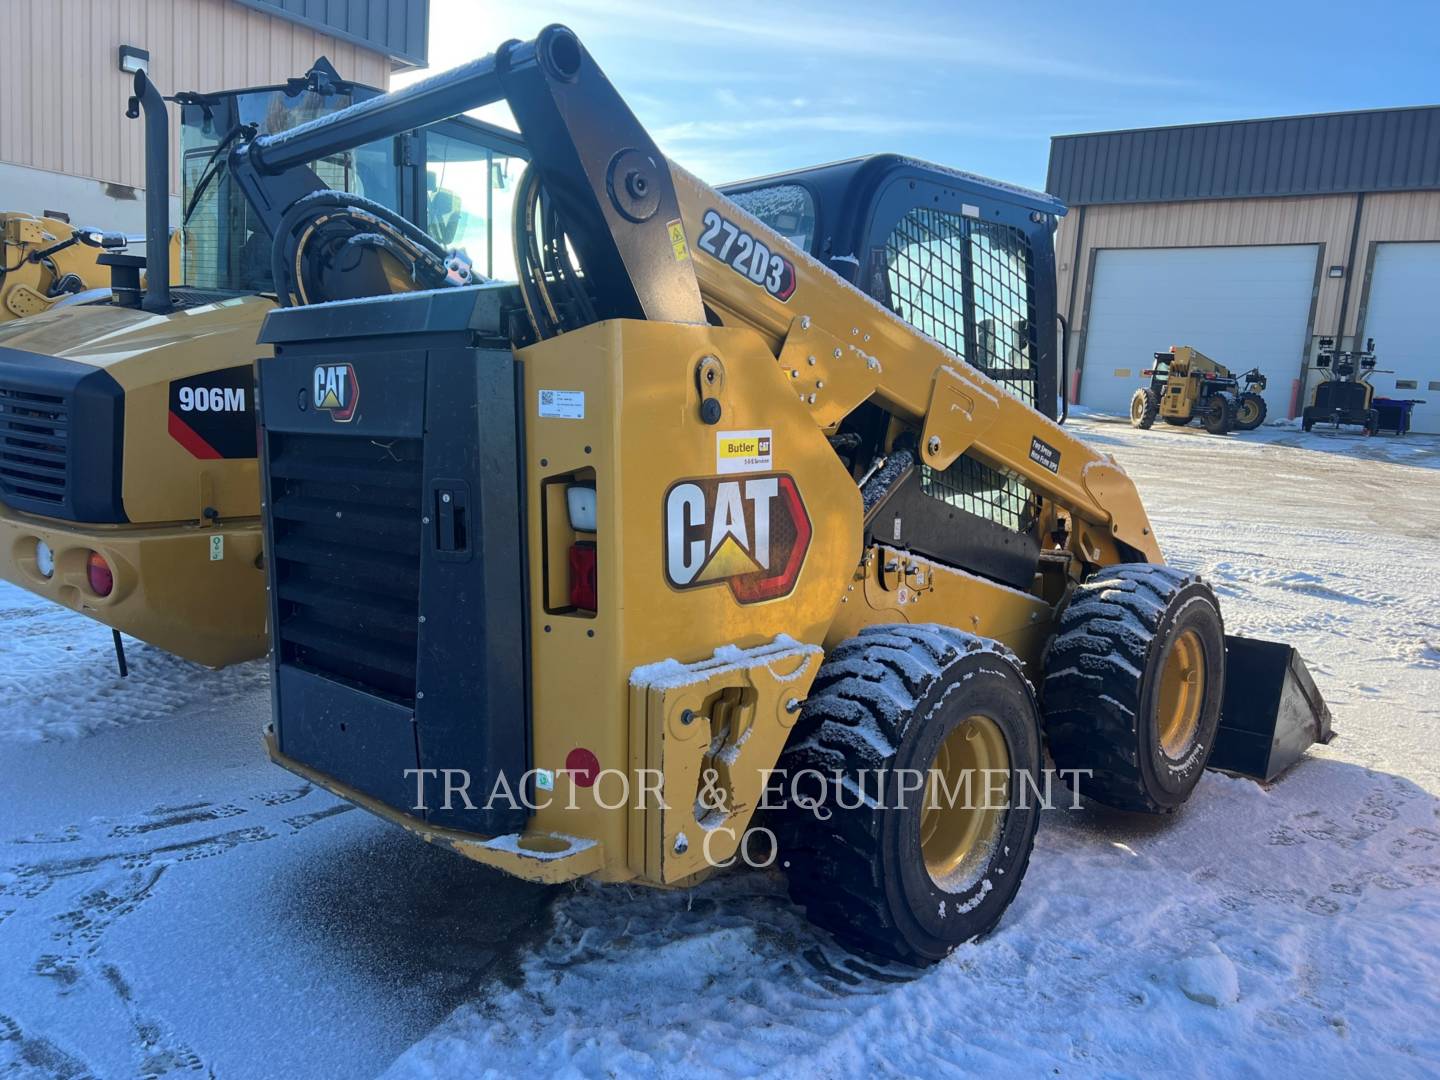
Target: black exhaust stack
{"x": 157, "y": 194}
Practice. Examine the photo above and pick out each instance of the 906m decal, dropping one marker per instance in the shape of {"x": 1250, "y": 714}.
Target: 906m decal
{"x": 724, "y": 240}
{"x": 212, "y": 415}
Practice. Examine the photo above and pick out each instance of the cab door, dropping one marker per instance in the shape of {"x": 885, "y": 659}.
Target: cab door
{"x": 463, "y": 191}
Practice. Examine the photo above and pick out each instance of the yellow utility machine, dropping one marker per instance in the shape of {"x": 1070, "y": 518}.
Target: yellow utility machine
{"x": 1185, "y": 385}
{"x": 574, "y": 575}
{"x": 129, "y": 486}
{"x": 45, "y": 261}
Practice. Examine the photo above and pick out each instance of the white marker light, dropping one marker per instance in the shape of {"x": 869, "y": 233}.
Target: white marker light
{"x": 580, "y": 501}
{"x": 44, "y": 559}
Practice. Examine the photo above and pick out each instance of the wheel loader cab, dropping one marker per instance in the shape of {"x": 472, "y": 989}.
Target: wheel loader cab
{"x": 129, "y": 486}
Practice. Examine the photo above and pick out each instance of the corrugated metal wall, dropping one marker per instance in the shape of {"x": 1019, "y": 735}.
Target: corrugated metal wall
{"x": 1324, "y": 219}
{"x": 397, "y": 28}
{"x": 1374, "y": 150}
{"x": 1319, "y": 219}
{"x": 62, "y": 96}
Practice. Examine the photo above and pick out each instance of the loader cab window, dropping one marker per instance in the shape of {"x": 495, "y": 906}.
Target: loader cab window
{"x": 223, "y": 244}
{"x": 789, "y": 209}
{"x": 469, "y": 195}
{"x": 968, "y": 284}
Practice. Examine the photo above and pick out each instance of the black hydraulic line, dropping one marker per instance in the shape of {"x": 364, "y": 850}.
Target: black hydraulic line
{"x": 157, "y": 195}
{"x": 213, "y": 164}
{"x": 599, "y": 168}
{"x": 1064, "y": 367}
{"x": 317, "y": 201}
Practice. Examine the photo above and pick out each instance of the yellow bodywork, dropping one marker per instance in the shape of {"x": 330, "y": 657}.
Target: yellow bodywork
{"x": 1181, "y": 394}
{"x": 190, "y": 583}
{"x": 686, "y": 692}
{"x": 28, "y": 286}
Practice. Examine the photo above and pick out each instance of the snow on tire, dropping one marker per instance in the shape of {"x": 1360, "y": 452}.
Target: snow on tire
{"x": 907, "y": 875}
{"x": 1134, "y": 679}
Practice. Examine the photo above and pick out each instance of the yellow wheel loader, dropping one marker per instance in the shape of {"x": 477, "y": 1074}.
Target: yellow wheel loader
{"x": 129, "y": 486}
{"x": 45, "y": 261}
{"x": 1186, "y": 385}
{"x": 683, "y": 543}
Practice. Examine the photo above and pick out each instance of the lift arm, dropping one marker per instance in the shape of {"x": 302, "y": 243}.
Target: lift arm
{"x": 657, "y": 243}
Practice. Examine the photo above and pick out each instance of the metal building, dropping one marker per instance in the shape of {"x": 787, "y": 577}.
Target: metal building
{"x": 1251, "y": 240}
{"x": 64, "y": 141}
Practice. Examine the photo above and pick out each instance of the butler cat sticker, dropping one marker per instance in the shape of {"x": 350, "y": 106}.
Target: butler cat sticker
{"x": 749, "y": 533}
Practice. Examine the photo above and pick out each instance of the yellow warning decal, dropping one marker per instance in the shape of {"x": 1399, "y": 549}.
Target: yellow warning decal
{"x": 677, "y": 240}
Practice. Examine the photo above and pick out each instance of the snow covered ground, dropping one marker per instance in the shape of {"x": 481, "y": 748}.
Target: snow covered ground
{"x": 169, "y": 901}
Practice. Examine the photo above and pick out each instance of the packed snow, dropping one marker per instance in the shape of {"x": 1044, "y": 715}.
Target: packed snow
{"x": 170, "y": 902}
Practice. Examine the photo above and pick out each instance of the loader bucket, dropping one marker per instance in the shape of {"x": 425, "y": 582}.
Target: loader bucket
{"x": 1272, "y": 710}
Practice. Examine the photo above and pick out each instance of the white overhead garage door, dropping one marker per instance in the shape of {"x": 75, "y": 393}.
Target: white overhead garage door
{"x": 1243, "y": 306}
{"x": 1400, "y": 316}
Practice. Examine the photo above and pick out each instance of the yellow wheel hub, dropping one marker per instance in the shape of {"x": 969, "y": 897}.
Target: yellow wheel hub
{"x": 965, "y": 803}
{"x": 1182, "y": 689}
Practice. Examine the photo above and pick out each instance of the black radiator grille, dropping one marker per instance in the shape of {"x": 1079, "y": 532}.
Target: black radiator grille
{"x": 34, "y": 436}
{"x": 345, "y": 518}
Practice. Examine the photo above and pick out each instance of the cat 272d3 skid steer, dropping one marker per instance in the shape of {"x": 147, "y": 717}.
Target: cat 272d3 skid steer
{"x": 572, "y": 575}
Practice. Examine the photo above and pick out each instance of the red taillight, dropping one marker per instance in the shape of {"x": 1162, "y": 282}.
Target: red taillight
{"x": 583, "y": 765}
{"x": 1148, "y": 372}
{"x": 583, "y": 569}
{"x": 102, "y": 578}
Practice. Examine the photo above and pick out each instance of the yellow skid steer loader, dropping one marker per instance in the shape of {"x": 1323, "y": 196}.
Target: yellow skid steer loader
{"x": 575, "y": 575}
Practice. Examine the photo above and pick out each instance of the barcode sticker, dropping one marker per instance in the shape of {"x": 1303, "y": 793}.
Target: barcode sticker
{"x": 563, "y": 404}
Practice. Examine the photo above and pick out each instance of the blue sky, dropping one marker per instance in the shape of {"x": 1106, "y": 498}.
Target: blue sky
{"x": 736, "y": 88}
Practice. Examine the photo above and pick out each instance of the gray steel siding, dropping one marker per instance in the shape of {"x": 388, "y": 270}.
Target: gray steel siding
{"x": 397, "y": 28}
{"x": 1382, "y": 150}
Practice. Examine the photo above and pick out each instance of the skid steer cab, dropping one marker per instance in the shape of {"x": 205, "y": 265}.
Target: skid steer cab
{"x": 129, "y": 486}
{"x": 1187, "y": 385}
{"x": 683, "y": 539}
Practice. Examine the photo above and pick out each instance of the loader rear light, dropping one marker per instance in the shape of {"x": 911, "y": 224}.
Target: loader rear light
{"x": 102, "y": 578}
{"x": 582, "y": 764}
{"x": 580, "y": 505}
{"x": 44, "y": 559}
{"x": 584, "y": 588}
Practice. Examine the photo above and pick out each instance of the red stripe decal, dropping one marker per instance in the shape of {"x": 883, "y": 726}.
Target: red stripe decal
{"x": 185, "y": 435}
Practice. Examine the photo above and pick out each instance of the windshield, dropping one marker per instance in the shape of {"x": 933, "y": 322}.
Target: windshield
{"x": 789, "y": 209}
{"x": 223, "y": 244}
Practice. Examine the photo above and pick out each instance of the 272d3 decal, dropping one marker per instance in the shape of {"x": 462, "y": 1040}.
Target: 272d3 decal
{"x": 749, "y": 533}
{"x": 743, "y": 253}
